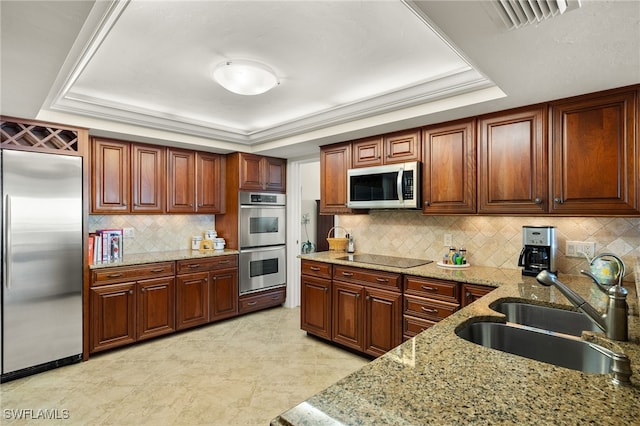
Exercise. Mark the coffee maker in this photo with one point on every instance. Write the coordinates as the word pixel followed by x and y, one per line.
pixel 539 250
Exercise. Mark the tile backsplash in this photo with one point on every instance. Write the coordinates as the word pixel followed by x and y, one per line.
pixel 490 241
pixel 155 232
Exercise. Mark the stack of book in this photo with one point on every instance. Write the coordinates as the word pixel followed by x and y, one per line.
pixel 105 246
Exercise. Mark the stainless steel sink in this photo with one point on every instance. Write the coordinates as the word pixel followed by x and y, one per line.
pixel 539 345
pixel 546 318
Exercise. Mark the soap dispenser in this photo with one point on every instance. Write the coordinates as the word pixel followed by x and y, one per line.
pixel 350 245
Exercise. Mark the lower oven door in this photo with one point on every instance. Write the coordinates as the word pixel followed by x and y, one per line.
pixel 262 268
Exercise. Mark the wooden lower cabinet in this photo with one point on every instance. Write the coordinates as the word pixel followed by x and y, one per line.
pixel 348 319
pixel 473 292
pixel 210 294
pixel 192 300
pixel 127 312
pixel 155 305
pixel 113 316
pixel 315 309
pixel 223 294
pixel 382 326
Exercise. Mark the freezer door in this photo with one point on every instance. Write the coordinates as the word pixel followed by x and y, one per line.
pixel 42 258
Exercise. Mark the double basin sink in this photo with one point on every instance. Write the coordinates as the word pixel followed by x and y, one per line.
pixel 544 334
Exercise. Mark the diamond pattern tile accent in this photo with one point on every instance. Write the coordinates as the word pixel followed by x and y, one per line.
pixel 490 241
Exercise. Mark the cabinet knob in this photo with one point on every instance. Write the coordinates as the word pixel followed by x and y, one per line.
pixel 538 201
pixel 326 289
pixel 426 204
pixel 142 290
pixel 558 200
pixel 130 291
pixel 368 297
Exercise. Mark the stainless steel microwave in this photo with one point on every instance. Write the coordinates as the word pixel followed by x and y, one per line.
pixel 392 186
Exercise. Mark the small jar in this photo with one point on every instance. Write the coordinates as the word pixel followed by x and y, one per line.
pixel 463 255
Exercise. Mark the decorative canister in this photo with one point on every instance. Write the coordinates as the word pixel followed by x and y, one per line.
pixel 218 243
pixel 195 242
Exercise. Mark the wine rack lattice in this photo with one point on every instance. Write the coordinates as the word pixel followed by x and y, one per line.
pixel 35 136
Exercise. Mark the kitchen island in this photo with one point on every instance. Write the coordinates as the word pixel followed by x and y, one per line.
pixel 440 378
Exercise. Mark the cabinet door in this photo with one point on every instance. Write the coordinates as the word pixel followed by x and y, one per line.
pixel 181 181
pixel 367 152
pixel 382 321
pixel 348 315
pixel 113 316
pixel 315 306
pixel 110 178
pixel 335 160
pixel 402 147
pixel 250 172
pixel 275 170
pixel 209 183
pixel 594 154
pixel 156 307
pixel 224 294
pixel 449 172
pixel 148 179
pixel 192 300
pixel 472 292
pixel 512 165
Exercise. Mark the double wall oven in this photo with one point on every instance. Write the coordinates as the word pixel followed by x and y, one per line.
pixel 262 239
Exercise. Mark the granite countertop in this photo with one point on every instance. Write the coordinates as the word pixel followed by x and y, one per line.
pixel 439 378
pixel 163 256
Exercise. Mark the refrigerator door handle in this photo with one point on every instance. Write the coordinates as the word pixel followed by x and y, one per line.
pixel 7 240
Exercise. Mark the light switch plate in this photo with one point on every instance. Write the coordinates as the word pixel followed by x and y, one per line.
pixel 129 232
pixel 448 240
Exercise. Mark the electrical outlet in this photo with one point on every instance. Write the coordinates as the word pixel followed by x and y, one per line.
pixel 448 240
pixel 129 232
pixel 580 249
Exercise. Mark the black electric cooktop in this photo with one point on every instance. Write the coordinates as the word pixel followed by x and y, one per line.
pixel 377 259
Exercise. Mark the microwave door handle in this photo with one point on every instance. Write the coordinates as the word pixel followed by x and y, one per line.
pixel 399 184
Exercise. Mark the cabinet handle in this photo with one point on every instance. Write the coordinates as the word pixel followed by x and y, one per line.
pixel 157 271
pixel 538 201
pixel 347 274
pixel 427 288
pixel 252 303
pixel 314 268
pixel 558 200
pixel 223 262
pixel 275 297
pixel 114 275
pixel 194 265
pixel 382 280
pixel 433 311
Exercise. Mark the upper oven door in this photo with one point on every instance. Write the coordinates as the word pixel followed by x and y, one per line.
pixel 262 226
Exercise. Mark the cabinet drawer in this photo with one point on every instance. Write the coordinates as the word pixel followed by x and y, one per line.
pixel 412 326
pixel 262 300
pixel 316 269
pixel 432 288
pixel 206 264
pixel 361 276
pixel 428 308
pixel 118 274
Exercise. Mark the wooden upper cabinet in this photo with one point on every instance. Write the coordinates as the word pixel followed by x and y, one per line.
pixel 335 160
pixel 210 183
pixel 367 152
pixel 402 147
pixel 449 168
pixel 181 197
pixel 147 179
pixel 259 173
pixel 110 179
pixel 594 154
pixel 397 147
pixel 512 162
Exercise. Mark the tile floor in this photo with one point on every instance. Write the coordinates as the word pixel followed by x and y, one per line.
pixel 243 371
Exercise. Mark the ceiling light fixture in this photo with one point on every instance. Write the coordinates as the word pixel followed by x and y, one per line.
pixel 245 77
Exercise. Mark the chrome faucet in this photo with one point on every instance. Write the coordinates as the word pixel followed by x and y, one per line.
pixel 614 322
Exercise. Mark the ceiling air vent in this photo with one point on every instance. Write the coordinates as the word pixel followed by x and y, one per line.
pixel 517 13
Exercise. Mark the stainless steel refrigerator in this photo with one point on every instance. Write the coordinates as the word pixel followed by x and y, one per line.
pixel 41 310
